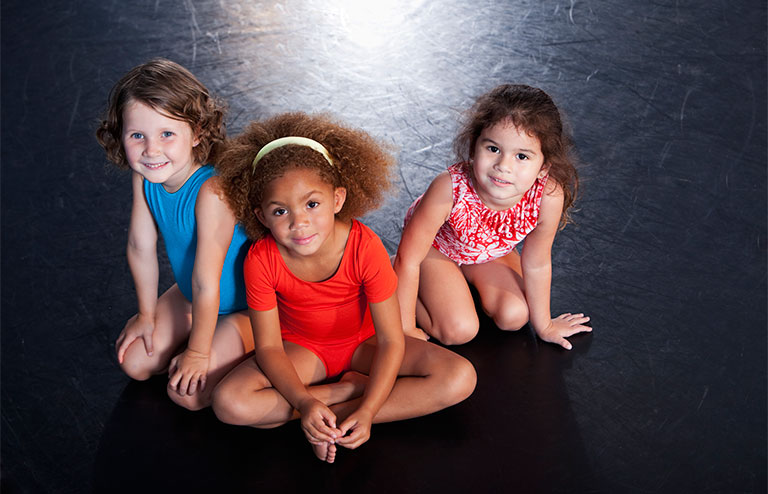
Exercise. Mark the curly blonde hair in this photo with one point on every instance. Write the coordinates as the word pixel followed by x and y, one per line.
pixel 168 88
pixel 360 164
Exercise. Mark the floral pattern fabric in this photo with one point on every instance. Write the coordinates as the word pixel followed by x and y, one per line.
pixel 474 233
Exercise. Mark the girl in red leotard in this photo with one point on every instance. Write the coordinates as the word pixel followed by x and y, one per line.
pixel 515 181
pixel 321 291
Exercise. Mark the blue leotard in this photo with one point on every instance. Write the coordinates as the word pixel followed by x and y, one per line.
pixel 175 217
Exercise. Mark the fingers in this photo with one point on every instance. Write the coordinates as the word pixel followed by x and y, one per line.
pixel 320 426
pixel 123 342
pixel 147 337
pixel 186 383
pixel 566 325
pixel 175 379
pixel 357 436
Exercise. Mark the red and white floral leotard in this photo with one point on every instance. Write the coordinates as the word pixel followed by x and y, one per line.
pixel 473 233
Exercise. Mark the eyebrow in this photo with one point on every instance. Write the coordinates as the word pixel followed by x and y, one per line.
pixel 486 139
pixel 306 196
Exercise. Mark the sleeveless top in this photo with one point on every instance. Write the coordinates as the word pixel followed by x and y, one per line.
pixel 474 233
pixel 174 214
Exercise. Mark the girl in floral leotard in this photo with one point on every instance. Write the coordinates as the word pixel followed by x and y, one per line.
pixel 515 181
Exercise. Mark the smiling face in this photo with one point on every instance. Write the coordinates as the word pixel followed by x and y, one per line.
pixel 299 209
pixel 506 163
pixel 158 147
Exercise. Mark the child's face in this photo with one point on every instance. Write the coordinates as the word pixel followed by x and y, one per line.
pixel 299 208
pixel 506 163
pixel 158 147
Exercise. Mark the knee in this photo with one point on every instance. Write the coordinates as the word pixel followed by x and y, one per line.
pixel 231 405
pixel 457 379
pixel 458 331
pixel 227 404
pixel 512 316
pixel 137 367
pixel 462 380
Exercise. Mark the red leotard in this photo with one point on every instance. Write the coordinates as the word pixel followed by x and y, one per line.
pixel 331 318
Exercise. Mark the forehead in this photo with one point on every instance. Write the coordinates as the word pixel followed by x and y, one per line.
pixel 507 133
pixel 297 182
pixel 139 113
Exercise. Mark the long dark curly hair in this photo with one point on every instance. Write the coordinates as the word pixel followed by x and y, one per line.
pixel 360 164
pixel 532 110
pixel 168 88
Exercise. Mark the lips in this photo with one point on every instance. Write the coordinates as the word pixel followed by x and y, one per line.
pixel 499 182
pixel 155 166
pixel 303 240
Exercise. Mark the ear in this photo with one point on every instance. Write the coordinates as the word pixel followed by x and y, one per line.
pixel 544 171
pixel 339 196
pixel 260 215
pixel 196 134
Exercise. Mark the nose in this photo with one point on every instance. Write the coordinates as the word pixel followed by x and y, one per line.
pixel 300 220
pixel 152 147
pixel 504 163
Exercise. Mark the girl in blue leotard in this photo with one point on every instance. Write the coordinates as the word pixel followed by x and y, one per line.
pixel 163 124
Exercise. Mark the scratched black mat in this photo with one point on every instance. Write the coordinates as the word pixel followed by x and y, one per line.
pixel 667 101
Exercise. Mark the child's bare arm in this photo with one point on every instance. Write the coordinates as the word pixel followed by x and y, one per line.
pixel 141 253
pixel 317 421
pixel 417 238
pixel 537 275
pixel 390 348
pixel 215 225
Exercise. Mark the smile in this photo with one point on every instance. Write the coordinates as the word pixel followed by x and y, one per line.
pixel 155 166
pixel 499 181
pixel 304 240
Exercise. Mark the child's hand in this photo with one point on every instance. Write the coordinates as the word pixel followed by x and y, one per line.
pixel 563 326
pixel 186 370
pixel 136 327
pixel 318 422
pixel 359 423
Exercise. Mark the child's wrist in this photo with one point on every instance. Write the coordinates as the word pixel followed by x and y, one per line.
pixel 540 325
pixel 146 315
pixel 197 353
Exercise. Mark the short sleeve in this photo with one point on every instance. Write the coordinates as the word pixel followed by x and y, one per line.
pixel 259 277
pixel 379 279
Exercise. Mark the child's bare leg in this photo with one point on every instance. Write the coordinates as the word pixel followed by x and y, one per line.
pixel 246 397
pixel 500 285
pixel 232 342
pixel 445 308
pixel 173 321
pixel 432 378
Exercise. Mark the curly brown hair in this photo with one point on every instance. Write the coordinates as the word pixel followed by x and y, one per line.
pixel 360 164
pixel 531 109
pixel 168 88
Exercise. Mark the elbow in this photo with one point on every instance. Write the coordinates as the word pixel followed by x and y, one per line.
pixel 203 289
pixel 139 248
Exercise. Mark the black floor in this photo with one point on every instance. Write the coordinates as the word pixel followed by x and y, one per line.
pixel 667 100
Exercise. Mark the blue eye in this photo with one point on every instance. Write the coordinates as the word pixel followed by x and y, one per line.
pixel 167 133
pixel 137 135
pixel 312 204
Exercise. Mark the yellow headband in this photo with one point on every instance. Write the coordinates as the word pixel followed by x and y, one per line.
pixel 284 141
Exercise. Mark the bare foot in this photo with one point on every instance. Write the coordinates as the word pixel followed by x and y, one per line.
pixel 417 333
pixel 356 381
pixel 325 451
